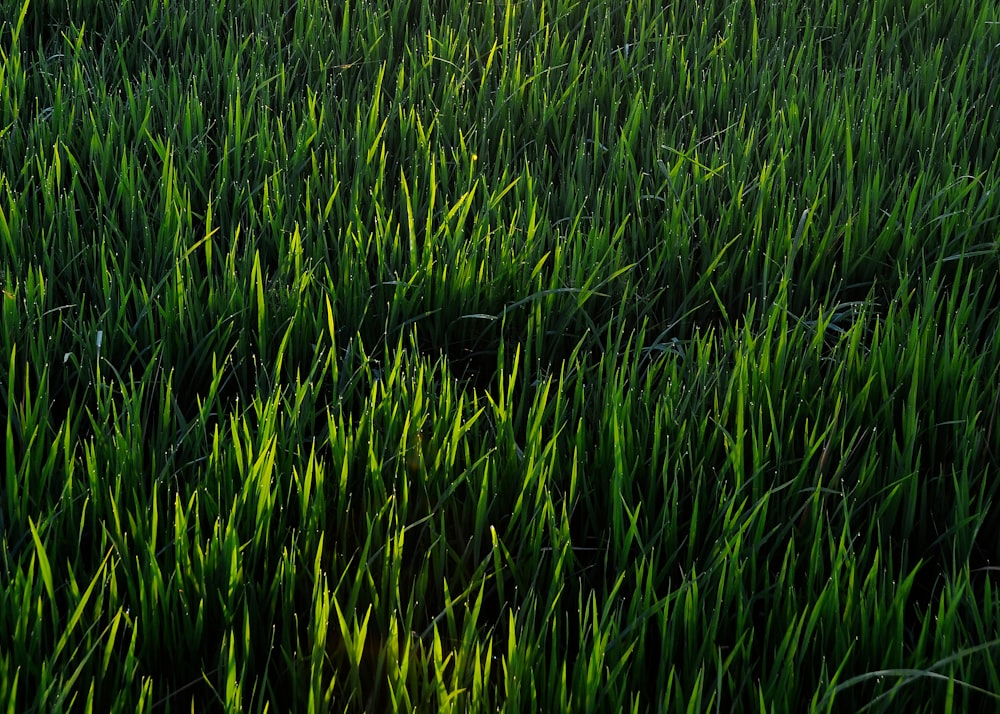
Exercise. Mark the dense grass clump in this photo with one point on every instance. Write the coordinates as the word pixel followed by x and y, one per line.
pixel 523 356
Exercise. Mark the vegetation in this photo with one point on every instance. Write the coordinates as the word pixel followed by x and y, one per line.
pixel 521 356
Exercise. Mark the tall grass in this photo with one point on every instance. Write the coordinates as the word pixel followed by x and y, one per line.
pixel 532 356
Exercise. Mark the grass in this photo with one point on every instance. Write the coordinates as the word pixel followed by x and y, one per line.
pixel 531 356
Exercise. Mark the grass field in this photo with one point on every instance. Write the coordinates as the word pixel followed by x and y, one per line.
pixel 528 356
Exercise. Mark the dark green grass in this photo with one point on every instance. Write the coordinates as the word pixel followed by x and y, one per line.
pixel 532 356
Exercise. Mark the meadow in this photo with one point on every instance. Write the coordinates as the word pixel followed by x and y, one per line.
pixel 515 356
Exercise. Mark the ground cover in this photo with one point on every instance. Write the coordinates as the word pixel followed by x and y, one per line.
pixel 518 356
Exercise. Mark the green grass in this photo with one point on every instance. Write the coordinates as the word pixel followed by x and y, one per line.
pixel 522 356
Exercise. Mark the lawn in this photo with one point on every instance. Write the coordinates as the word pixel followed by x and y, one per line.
pixel 528 356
